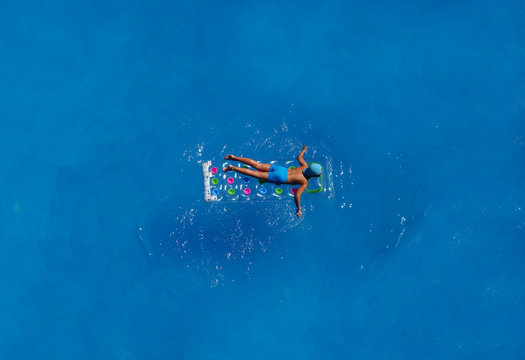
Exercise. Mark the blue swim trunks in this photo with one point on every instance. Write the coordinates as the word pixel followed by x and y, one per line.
pixel 277 174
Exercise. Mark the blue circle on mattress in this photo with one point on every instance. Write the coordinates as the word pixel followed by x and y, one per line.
pixel 215 192
pixel 262 191
pixel 246 179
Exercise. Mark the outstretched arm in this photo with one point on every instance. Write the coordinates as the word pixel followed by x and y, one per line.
pixel 297 197
pixel 300 156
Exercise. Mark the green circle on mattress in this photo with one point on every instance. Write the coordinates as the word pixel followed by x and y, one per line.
pixel 278 191
pixel 231 191
pixel 214 181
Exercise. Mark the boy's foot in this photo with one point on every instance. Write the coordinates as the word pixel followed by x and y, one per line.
pixel 226 169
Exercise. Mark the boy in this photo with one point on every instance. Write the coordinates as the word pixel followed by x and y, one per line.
pixel 279 174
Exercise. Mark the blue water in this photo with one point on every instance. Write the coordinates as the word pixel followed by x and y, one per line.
pixel 109 251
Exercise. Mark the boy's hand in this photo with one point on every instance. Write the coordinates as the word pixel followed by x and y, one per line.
pixel 299 213
pixel 305 147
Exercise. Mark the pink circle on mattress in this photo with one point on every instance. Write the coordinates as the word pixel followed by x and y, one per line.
pixel 293 190
pixel 214 170
pixel 230 181
pixel 247 191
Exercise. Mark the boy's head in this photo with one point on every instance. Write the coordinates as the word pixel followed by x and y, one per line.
pixel 313 170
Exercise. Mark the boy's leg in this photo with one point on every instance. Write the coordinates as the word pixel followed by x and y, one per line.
pixel 256 174
pixel 255 164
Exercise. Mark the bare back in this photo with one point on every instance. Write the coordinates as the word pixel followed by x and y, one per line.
pixel 295 176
